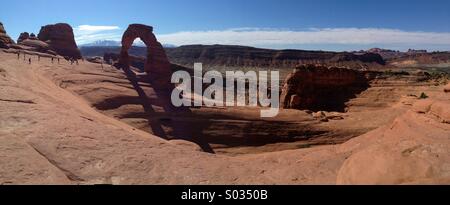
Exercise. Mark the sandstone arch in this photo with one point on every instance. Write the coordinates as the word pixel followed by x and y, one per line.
pixel 157 64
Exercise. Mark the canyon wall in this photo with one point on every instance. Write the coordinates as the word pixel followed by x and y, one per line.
pixel 242 56
pixel 237 57
pixel 316 87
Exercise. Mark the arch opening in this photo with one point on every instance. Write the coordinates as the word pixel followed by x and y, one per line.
pixel 157 65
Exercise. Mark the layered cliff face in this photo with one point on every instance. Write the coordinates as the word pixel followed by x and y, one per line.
pixel 5 40
pixel 321 88
pixel 232 57
pixel 419 59
pixel 241 56
pixel 60 39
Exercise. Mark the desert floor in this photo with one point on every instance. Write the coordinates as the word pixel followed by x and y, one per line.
pixel 84 124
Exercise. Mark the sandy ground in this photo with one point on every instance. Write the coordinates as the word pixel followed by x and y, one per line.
pixel 82 124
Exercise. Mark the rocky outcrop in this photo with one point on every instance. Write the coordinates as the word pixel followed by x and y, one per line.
pixel 35 45
pixel 5 40
pixel 30 42
pixel 55 39
pixel 157 65
pixel 23 36
pixel 60 39
pixel 321 88
pixel 33 36
pixel 413 149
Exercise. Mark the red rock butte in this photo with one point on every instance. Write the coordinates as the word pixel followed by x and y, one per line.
pixel 61 39
pixel 157 64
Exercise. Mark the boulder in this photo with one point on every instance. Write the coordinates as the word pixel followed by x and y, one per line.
pixel 60 39
pixel 5 40
pixel 33 36
pixel 319 114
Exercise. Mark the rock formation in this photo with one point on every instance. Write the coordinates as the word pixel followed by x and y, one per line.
pixel 5 40
pixel 23 36
pixel 157 65
pixel 30 42
pixel 385 53
pixel 60 39
pixel 35 45
pixel 321 88
pixel 33 36
pixel 414 149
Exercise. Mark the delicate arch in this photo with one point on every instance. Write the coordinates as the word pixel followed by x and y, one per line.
pixel 157 64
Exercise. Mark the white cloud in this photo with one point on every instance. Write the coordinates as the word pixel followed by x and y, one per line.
pixel 91 28
pixel 277 38
pixel 89 33
pixel 284 38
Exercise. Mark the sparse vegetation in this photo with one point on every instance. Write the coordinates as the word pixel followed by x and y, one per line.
pixel 395 73
pixel 423 96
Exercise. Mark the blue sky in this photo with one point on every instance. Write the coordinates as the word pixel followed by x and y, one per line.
pixel 301 24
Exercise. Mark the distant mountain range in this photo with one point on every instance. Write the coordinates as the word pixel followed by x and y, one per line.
pixel 102 43
pixel 111 43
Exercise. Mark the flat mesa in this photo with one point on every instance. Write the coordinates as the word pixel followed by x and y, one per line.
pixel 193 195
